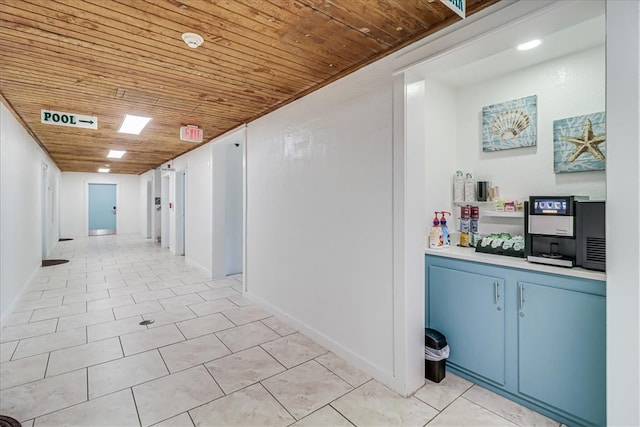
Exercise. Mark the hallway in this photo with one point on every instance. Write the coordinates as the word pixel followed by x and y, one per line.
pixel 74 353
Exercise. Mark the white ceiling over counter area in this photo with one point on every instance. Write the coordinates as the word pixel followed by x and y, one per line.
pixel 582 36
pixel 572 29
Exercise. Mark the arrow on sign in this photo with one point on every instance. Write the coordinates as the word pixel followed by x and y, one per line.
pixel 86 121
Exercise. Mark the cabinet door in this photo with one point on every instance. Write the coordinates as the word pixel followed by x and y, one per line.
pixel 562 347
pixel 468 308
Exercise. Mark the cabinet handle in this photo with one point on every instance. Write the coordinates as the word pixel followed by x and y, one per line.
pixel 496 292
pixel 521 289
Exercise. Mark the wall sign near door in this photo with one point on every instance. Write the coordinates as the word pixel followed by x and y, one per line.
pixel 59 118
pixel 458 6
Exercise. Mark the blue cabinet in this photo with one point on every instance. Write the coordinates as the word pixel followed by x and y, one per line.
pixel 536 338
pixel 561 349
pixel 468 309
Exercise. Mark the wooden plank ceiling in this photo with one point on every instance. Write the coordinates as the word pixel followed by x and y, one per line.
pixel 106 58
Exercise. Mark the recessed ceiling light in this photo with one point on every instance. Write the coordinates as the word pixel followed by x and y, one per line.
pixel 104 170
pixel 115 154
pixel 529 45
pixel 133 124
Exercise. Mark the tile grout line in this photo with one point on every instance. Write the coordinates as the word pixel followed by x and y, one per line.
pixel 87 378
pixel 46 367
pixel 487 409
pixel 214 380
pixel 59 409
pixel 279 403
pixel 163 361
pixel 135 404
pixel 191 418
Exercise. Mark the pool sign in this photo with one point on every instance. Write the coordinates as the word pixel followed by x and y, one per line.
pixel 50 117
pixel 458 6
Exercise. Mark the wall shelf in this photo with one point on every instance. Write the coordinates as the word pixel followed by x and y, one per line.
pixel 473 203
pixel 502 214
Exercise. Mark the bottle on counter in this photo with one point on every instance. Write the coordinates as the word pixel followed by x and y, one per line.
pixel 464 239
pixel 465 225
pixel 435 235
pixel 444 229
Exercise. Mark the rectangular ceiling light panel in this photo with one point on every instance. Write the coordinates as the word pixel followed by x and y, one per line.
pixel 133 124
pixel 115 154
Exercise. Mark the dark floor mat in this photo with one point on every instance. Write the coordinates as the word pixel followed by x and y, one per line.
pixel 50 262
pixel 64 239
pixel 6 421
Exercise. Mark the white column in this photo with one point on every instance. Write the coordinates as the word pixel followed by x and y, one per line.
pixel 623 205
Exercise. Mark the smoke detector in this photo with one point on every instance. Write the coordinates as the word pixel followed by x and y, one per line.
pixel 192 40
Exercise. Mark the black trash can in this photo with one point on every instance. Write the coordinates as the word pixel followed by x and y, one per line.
pixel 436 352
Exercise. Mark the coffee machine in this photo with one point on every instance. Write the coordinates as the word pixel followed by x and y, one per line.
pixel 550 230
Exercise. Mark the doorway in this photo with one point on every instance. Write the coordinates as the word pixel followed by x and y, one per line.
pixel 228 205
pixel 102 209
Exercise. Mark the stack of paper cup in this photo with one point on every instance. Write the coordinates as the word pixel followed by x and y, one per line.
pixel 469 188
pixel 458 187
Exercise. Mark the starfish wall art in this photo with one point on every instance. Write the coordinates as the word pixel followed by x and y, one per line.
pixel 579 143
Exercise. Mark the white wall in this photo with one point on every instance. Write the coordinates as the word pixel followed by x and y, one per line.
pixel 440 147
pixel 408 245
pixel 204 247
pixel 566 87
pixel 21 208
pixel 319 216
pixel 73 202
pixel 623 205
pixel 153 177
pixel 143 181
pixel 233 207
pixel 198 231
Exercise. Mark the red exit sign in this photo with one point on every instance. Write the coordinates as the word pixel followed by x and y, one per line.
pixel 191 134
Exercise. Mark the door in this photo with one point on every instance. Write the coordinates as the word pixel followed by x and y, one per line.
pixel 468 308
pixel 102 209
pixel 45 211
pixel 164 211
pixel 562 350
pixel 149 208
pixel 180 211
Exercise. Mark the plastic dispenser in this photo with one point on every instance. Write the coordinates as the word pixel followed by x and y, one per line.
pixel 444 229
pixel 435 235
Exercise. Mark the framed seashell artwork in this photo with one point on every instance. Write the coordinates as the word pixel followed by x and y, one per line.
pixel 579 143
pixel 511 124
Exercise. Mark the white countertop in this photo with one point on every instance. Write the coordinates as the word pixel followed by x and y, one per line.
pixel 470 254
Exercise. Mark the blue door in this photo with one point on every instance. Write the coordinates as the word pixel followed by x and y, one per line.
pixel 468 308
pixel 562 350
pixel 102 209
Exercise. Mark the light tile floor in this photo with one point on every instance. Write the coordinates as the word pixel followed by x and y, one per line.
pixel 73 352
